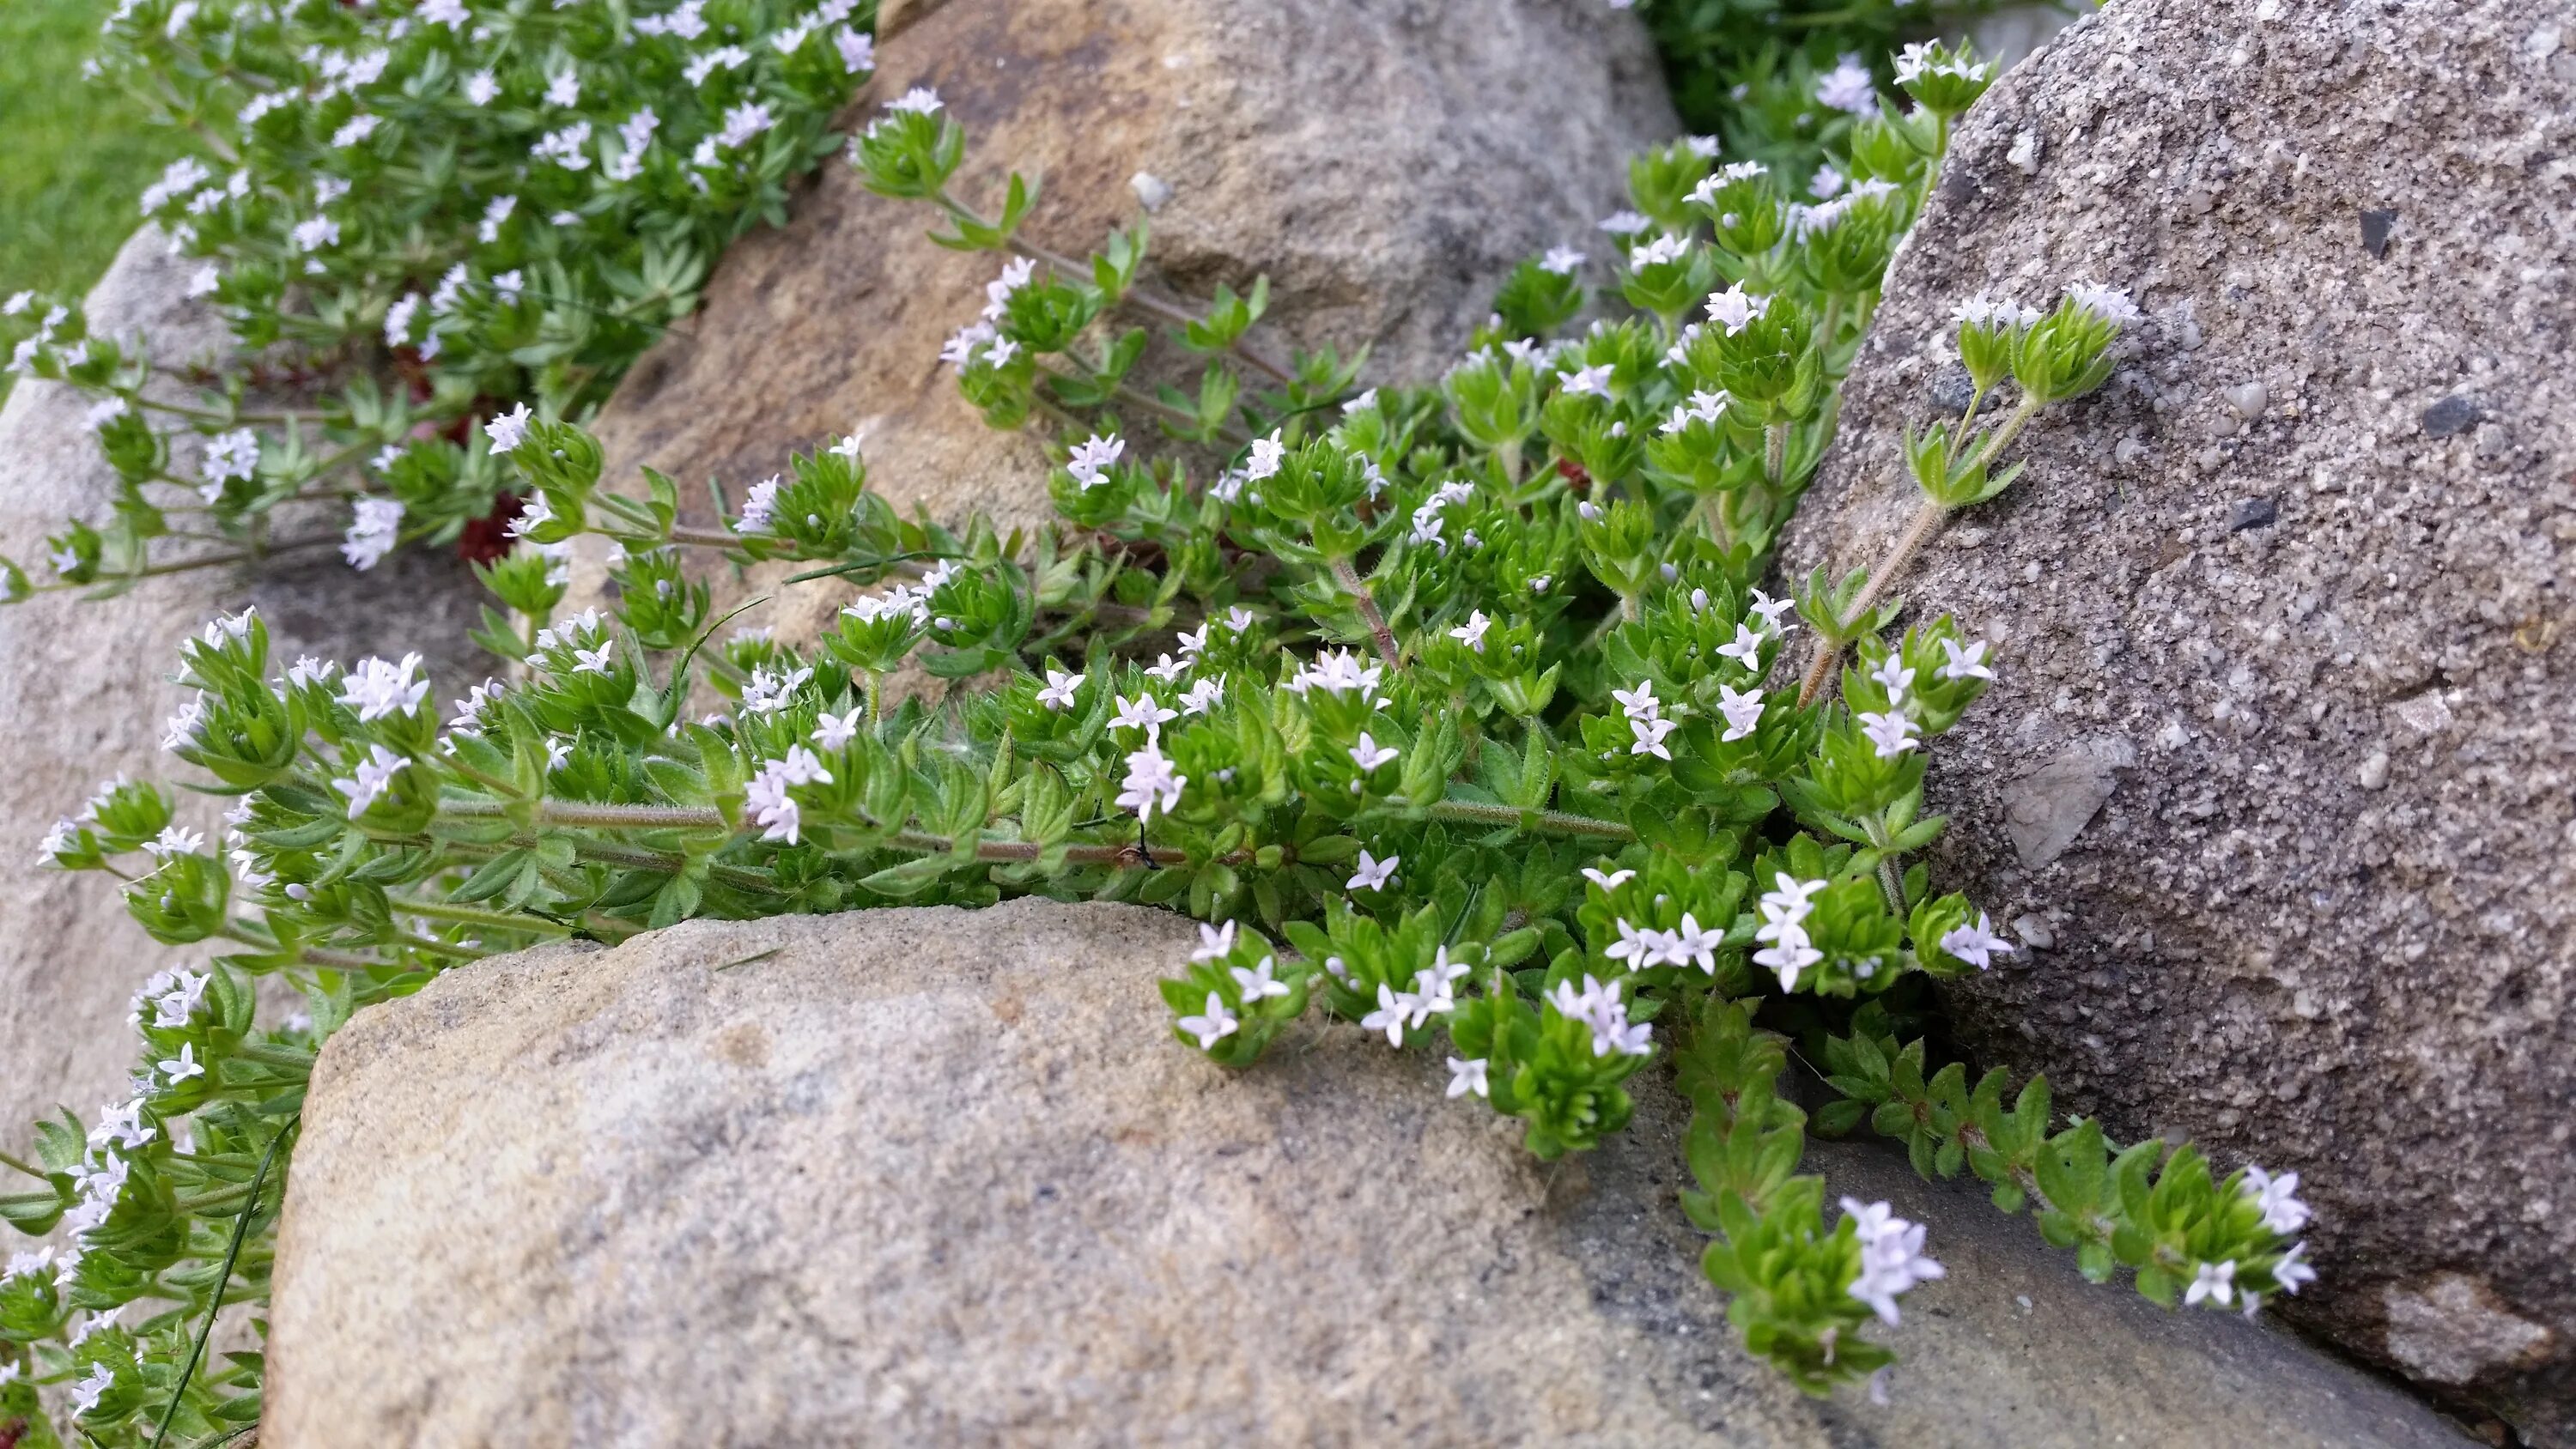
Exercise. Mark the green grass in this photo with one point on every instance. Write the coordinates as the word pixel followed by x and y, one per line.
pixel 77 153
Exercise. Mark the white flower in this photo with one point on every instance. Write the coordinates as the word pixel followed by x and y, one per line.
pixel 87 1393
pixel 1368 754
pixel 372 777
pixel 1658 251
pixel 1058 693
pixel 723 57
pixel 1373 874
pixel 1144 712
pixel 567 148
pixel 1091 459
pixel 1891 732
pixel 1847 87
pixel 355 130
pixel 1894 677
pixel 1978 945
pixel 534 513
pixel 801 767
pixel 2290 1272
pixel 376 689
pixel 1633 945
pixel 1258 984
pixel 174 840
pixel 1650 736
pixel 744 122
pixel 767 693
pixel 1987 312
pixel 509 284
pixel 1339 671
pixel 231 455
pixel 1167 669
pixel 180 730
pixel 1468 1075
pixel 1472 633
pixel 1611 881
pixel 1624 223
pixel 1690 944
pixel 563 88
pixel 2278 1197
pixel 1771 609
pixel 1239 618
pixel 1967 663
pixel 205 282
pixel 1213 1027
pixel 1734 309
pixel 835 731
pixel 1789 955
pixel 481 88
pixel 1267 454
pixel 508 430
pixel 1150 783
pixel 185 1065
pixel 2215 1282
pixel 1199 698
pixel 372 531
pixel 495 212
pixel 1891 1257
pixel 858 52
pixel 2108 304
pixel 450 13
pixel 921 100
pixel 1215 942
pixel 1825 182
pixel 1640 702
pixel 315 233
pixel 1703 407
pixel 1592 380
pixel 759 506
pixel 765 795
pixel 1742 708
pixel 1561 260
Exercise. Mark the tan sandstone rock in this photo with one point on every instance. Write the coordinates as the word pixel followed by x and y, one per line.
pixel 1384 165
pixel 2278 754
pixel 932 1176
pixel 84 692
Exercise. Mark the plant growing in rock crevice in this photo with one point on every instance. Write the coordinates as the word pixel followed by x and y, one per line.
pixel 1468 692
pixel 404 213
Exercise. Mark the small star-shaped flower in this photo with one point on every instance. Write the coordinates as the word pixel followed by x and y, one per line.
pixel 1373 874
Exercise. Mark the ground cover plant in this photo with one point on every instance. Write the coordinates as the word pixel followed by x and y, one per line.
pixel 1456 709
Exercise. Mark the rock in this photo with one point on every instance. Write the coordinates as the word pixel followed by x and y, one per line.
pixel 2375 226
pixel 2046 809
pixel 2365 972
pixel 84 691
pixel 2451 416
pixel 2251 513
pixel 1385 166
pixel 918 1176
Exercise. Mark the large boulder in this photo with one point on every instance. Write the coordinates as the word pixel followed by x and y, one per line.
pixel 2277 771
pixel 84 691
pixel 933 1176
pixel 1385 165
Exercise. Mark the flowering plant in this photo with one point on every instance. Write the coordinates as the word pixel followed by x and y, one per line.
pixel 404 212
pixel 1465 725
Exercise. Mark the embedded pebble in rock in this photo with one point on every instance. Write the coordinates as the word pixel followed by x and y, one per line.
pixel 84 689
pixel 943 1177
pixel 1385 166
pixel 2328 921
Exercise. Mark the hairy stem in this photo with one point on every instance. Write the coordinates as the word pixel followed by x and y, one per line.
pixel 1353 585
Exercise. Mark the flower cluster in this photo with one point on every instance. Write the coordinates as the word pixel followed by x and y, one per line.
pixel 1467 727
pixel 409 209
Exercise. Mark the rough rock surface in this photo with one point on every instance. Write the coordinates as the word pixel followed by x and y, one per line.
pixel 84 690
pixel 927 1176
pixel 1384 163
pixel 2278 756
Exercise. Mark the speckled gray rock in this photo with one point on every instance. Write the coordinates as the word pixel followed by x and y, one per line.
pixel 2288 620
pixel 1385 164
pixel 930 1176
pixel 84 690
